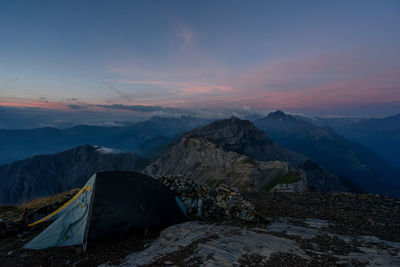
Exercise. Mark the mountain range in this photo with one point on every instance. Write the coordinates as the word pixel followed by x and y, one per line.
pixel 137 137
pixel 276 148
pixel 231 151
pixel 331 150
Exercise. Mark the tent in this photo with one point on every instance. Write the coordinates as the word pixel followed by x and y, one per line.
pixel 110 203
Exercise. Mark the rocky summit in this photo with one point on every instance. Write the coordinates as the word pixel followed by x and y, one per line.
pixel 227 227
pixel 205 162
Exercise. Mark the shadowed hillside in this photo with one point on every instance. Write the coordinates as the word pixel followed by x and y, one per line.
pixel 333 151
pixel 47 175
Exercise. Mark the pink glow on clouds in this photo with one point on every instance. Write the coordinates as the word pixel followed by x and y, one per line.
pixel 303 82
pixel 19 102
pixel 183 87
pixel 381 88
pixel 317 82
pixel 186 34
pixel 183 36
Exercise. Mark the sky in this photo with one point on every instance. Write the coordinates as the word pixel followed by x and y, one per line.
pixel 314 57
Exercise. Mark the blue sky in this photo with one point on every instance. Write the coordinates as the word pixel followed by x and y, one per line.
pixel 305 56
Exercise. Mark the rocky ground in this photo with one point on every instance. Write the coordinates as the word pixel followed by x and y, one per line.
pixel 260 229
pixel 308 229
pixel 282 243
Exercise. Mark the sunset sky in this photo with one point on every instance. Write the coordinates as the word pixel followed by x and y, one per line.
pixel 303 56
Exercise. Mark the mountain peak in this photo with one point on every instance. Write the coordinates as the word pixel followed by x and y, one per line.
pixel 278 115
pixel 397 116
pixel 242 137
pixel 232 134
pixel 226 128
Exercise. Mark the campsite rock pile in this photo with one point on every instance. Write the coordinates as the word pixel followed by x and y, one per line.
pixel 203 202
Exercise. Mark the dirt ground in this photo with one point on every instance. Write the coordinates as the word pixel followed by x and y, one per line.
pixel 111 251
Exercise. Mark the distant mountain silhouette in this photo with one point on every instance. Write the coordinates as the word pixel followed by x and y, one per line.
pixel 20 144
pixel 382 135
pixel 48 175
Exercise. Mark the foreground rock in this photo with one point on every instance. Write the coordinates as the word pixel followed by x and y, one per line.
pixel 194 244
pixel 212 245
pixel 210 203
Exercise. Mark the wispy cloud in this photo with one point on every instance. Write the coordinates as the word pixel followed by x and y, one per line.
pixel 183 88
pixel 77 107
pixel 10 81
pixel 32 103
pixel 379 88
pixel 297 82
pixel 184 35
pixel 124 97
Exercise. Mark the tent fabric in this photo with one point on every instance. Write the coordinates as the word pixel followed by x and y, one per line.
pixel 69 228
pixel 118 201
pixel 58 212
pixel 134 202
pixel 181 205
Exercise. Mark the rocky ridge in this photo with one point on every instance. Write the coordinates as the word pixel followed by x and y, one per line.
pixel 201 160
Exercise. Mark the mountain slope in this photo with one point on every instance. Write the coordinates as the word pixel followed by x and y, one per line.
pixel 47 175
pixel 242 137
pixel 201 160
pixel 379 134
pixel 333 151
pixel 20 144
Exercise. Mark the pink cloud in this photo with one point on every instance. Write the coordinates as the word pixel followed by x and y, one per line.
pixel 183 88
pixel 298 82
pixel 317 82
pixel 20 102
pixel 183 36
pixel 187 36
pixel 380 88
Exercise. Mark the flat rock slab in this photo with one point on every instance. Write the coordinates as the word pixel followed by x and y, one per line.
pixel 200 244
pixel 214 245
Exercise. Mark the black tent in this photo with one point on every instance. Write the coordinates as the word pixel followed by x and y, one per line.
pixel 111 202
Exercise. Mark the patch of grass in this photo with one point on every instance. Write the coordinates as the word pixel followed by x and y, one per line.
pixel 11 213
pixel 246 160
pixel 43 201
pixel 287 178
